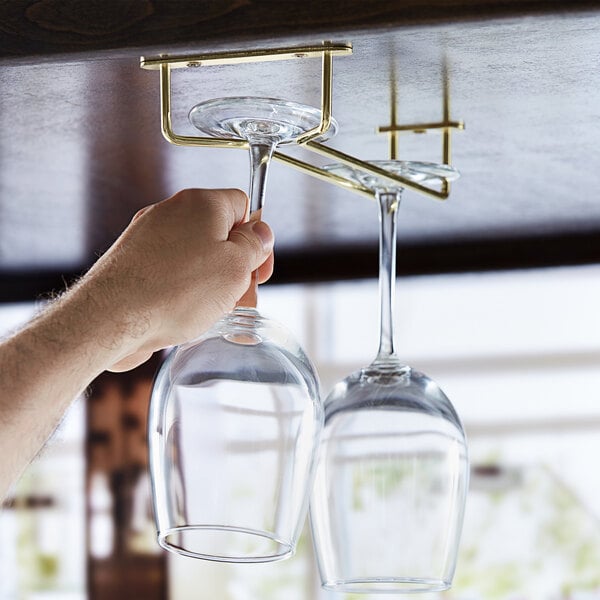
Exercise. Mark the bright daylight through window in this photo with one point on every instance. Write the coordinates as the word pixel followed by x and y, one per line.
pixel 519 355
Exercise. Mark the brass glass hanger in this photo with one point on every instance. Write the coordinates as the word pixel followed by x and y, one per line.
pixel 326 51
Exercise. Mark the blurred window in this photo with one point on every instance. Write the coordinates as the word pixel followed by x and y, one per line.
pixel 42 522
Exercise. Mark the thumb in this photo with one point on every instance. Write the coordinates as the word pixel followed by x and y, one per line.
pixel 255 239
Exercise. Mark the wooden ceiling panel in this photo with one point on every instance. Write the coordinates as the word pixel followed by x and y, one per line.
pixel 81 149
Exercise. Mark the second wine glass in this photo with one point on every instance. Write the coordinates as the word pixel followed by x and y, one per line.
pixel 389 496
pixel 236 416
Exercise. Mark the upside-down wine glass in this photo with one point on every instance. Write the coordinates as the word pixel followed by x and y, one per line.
pixel 388 500
pixel 236 415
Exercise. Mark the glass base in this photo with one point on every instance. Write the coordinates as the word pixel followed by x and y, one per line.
pixel 257 119
pixel 225 544
pixel 241 326
pixel 415 171
pixel 386 370
pixel 386 585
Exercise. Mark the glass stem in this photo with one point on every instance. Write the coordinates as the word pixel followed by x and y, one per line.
pixel 260 159
pixel 388 206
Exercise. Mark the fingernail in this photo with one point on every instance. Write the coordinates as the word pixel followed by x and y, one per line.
pixel 263 231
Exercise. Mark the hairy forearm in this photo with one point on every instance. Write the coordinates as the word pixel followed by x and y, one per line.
pixel 45 367
pixel 176 269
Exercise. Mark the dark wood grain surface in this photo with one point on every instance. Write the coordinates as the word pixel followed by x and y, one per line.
pixel 81 149
pixel 42 28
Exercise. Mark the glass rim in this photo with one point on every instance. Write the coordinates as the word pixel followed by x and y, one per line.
pixel 255 102
pixel 420 172
pixel 387 585
pixel 288 546
pixel 431 169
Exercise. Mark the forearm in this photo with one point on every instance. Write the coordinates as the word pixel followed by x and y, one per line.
pixel 44 368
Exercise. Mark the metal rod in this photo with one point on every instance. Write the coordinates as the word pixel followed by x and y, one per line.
pixel 393 145
pixel 327 51
pixel 446 147
pixel 323 175
pixel 185 140
pixel 244 56
pixel 326 101
pixel 377 171
pixel 393 117
pixel 446 136
pixel 444 125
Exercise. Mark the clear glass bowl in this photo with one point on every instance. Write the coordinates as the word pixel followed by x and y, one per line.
pixel 388 501
pixel 234 426
pixel 244 117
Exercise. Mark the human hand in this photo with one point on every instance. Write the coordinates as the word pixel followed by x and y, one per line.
pixel 179 266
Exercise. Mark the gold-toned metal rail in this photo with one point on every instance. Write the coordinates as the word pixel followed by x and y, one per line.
pixel 422 127
pixel 393 113
pixel 211 142
pixel 324 175
pixel 446 125
pixel 351 161
pixel 245 56
pixel 326 100
pixel 167 127
pixel 326 51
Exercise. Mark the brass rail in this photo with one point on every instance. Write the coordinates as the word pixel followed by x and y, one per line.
pixel 308 140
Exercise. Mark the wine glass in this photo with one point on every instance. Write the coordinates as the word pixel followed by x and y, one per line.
pixel 236 415
pixel 392 476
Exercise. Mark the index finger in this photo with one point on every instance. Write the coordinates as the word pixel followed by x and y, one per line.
pixel 223 209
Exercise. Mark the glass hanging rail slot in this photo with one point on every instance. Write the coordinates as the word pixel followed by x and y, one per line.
pixel 446 125
pixel 326 51
pixel 165 63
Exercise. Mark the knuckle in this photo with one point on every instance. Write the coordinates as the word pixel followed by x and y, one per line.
pixel 235 201
pixel 223 207
pixel 241 235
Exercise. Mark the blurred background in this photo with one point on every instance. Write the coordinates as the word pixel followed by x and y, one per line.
pixel 517 352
